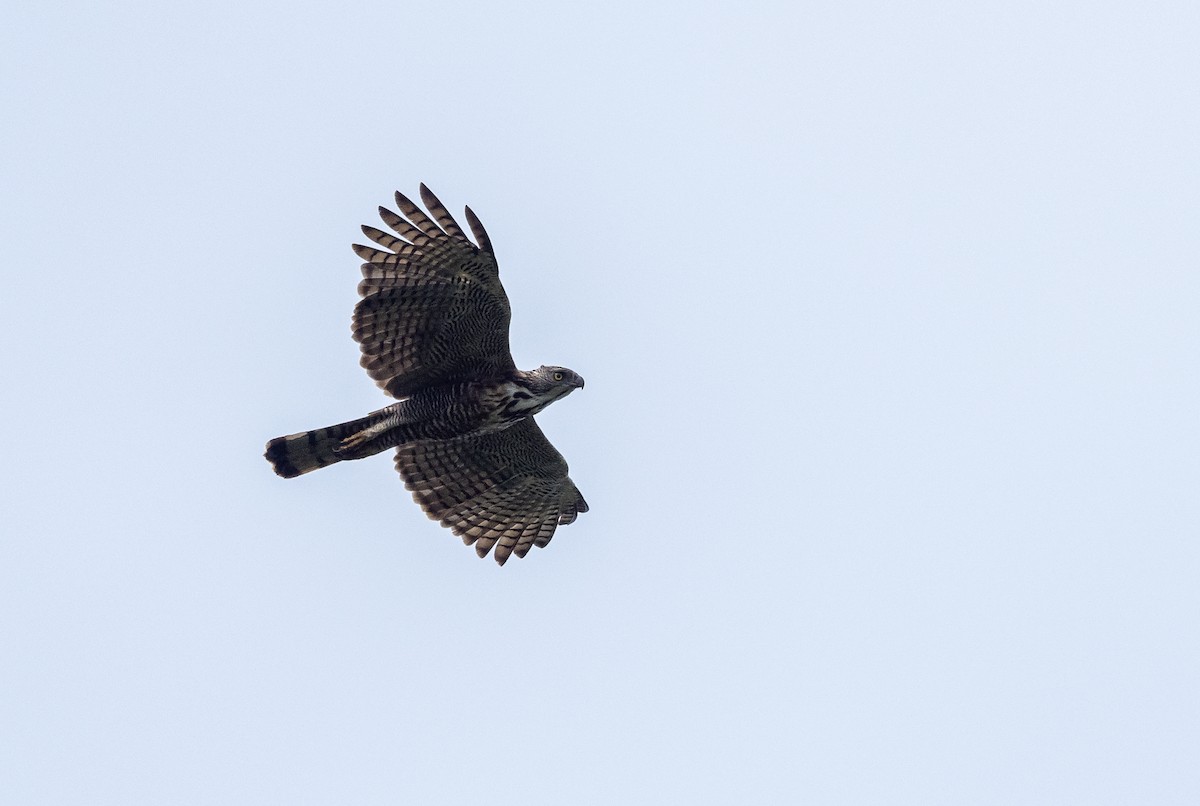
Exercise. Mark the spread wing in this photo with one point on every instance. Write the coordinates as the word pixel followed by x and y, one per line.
pixel 507 489
pixel 433 309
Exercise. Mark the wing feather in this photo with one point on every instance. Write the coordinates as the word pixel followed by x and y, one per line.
pixel 508 490
pixel 433 309
pixel 417 216
pixel 481 236
pixel 434 205
pixel 403 228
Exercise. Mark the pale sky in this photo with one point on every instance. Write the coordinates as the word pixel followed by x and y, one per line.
pixel 888 316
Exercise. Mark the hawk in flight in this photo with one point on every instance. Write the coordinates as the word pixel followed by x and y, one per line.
pixel 433 327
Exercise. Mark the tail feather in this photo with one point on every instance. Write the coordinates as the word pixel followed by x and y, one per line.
pixel 297 454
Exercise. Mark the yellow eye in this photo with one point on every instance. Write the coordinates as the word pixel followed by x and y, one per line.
pixel 558 376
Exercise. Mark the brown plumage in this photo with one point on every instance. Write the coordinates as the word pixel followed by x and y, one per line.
pixel 433 328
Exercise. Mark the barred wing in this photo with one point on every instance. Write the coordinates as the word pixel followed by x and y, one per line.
pixel 433 309
pixel 507 489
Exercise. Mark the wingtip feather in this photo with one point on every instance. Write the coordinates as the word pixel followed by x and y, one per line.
pixel 481 236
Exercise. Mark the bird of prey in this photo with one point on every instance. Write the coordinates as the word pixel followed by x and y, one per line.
pixel 433 327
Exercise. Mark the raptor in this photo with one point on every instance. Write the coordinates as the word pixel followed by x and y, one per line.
pixel 433 328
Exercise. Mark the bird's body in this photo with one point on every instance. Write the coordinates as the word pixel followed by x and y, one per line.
pixel 433 325
pixel 448 411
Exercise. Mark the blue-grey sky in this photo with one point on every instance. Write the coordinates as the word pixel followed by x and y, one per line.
pixel 888 316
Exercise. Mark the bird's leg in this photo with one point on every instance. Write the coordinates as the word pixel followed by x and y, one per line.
pixel 352 447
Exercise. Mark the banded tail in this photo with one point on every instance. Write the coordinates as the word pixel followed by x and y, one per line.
pixel 297 454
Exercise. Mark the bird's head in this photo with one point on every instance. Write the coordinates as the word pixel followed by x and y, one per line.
pixel 557 380
pixel 548 384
